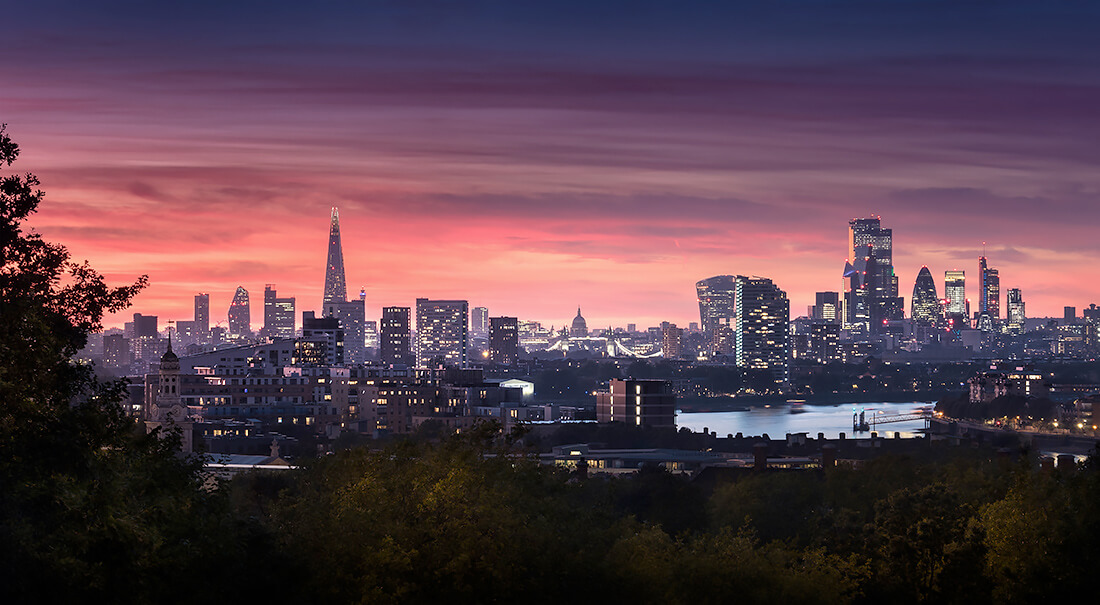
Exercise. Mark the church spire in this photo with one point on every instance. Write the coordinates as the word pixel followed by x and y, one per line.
pixel 336 289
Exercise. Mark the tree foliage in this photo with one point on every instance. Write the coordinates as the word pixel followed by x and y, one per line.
pixel 90 508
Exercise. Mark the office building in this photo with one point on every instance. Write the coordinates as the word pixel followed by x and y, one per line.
pixel 638 402
pixel 1016 315
pixel 716 311
pixel 954 292
pixel 240 319
pixel 394 340
pixel 925 307
pixel 504 340
pixel 370 335
pixel 762 328
pixel 352 315
pixel 322 342
pixel 824 342
pixel 857 295
pixel 479 322
pixel 1091 314
pixel 442 334
pixel 336 289
pixel 185 333
pixel 145 326
pixel 1069 315
pixel 672 339
pixel 117 354
pixel 871 252
pixel 989 301
pixel 826 307
pixel 278 314
pixel 202 317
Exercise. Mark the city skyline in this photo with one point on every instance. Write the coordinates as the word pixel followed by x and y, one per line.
pixel 478 154
pixel 336 277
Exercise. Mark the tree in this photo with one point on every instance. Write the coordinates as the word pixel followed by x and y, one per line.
pixel 91 508
pixel 53 408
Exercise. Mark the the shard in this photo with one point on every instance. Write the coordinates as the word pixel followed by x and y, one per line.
pixel 336 288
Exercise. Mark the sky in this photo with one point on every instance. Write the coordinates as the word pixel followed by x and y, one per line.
pixel 533 157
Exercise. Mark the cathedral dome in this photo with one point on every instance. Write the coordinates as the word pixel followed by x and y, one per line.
pixel 580 326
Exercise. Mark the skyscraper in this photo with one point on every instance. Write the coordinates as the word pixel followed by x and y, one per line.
pixel 762 329
pixel 336 289
pixel 394 345
pixel 479 322
pixel 504 340
pixel 716 311
pixel 202 316
pixel 672 339
pixel 993 293
pixel 989 301
pixel 352 315
pixel 1016 316
pixel 982 299
pixel 881 284
pixel 925 306
pixel 954 292
pixel 278 314
pixel 442 332
pixel 240 320
pixel 826 306
pixel 857 295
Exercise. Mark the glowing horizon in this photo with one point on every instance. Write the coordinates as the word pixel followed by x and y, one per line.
pixel 482 154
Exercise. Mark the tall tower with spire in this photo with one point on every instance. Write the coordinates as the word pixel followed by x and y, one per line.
pixel 336 288
pixel 167 409
pixel 350 313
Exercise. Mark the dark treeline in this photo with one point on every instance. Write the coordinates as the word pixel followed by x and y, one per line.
pixel 471 521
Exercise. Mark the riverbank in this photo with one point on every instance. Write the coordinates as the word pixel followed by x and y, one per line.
pixel 733 404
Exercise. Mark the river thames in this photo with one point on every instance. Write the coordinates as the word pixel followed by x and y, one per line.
pixel 778 419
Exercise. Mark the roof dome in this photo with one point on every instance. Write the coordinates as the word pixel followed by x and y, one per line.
pixel 580 326
pixel 169 361
pixel 169 355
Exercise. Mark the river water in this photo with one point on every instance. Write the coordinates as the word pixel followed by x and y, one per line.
pixel 779 419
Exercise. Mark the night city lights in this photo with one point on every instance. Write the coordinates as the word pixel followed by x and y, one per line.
pixel 614 301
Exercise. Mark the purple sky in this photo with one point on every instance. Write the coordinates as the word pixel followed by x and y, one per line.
pixel 532 157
